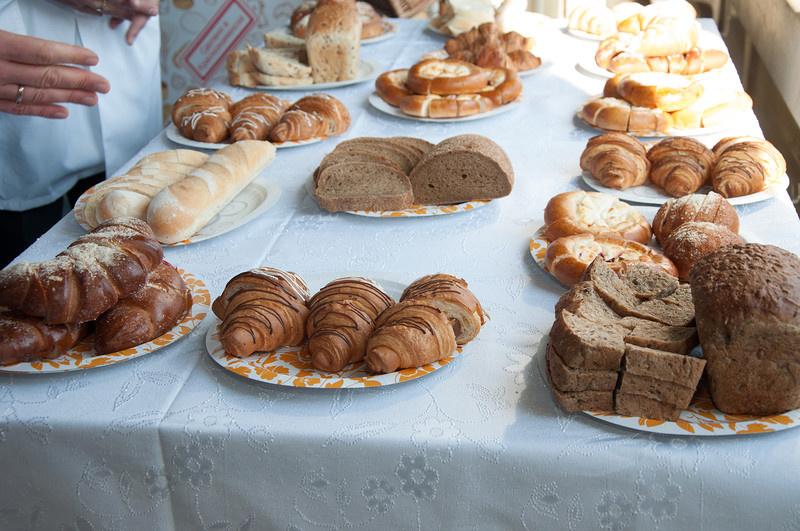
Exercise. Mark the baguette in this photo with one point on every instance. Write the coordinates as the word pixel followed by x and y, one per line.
pixel 182 208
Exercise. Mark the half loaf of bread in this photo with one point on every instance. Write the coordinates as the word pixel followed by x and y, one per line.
pixel 362 186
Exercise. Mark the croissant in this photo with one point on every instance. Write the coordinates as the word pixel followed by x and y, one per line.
pixel 341 317
pixel 86 279
pixel 680 165
pixel 203 115
pixel 146 314
pixel 261 310
pixel 616 160
pixel 745 165
pixel 409 334
pixel 255 115
pixel 23 337
pixel 452 296
pixel 312 116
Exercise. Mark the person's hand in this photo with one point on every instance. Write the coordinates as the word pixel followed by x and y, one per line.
pixel 37 74
pixel 137 11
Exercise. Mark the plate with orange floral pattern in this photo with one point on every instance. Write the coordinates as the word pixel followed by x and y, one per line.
pixel 700 418
pixel 291 366
pixel 84 356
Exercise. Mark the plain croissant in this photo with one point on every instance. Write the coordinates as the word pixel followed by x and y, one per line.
pixel 86 279
pixel 616 160
pixel 203 114
pixel 23 337
pixel 145 315
pixel 680 165
pixel 745 165
pixel 409 334
pixel 255 115
pixel 451 295
pixel 341 317
pixel 312 116
pixel 261 310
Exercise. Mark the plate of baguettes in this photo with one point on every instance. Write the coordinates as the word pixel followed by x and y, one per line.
pixel 309 348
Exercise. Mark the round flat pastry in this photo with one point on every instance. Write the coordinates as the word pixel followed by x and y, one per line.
pixel 596 213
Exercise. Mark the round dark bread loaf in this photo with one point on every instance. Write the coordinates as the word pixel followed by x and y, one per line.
pixel 747 302
pixel 462 168
pixel 691 240
pixel 711 207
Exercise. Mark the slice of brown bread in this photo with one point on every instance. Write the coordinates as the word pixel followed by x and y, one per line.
pixel 616 293
pixel 421 144
pixel 641 406
pixel 586 400
pixel 362 186
pixel 662 365
pixel 400 157
pixel 338 156
pixel 380 144
pixel 678 339
pixel 676 309
pixel 462 168
pixel 584 344
pixel 570 379
pixel 649 282
pixel 672 393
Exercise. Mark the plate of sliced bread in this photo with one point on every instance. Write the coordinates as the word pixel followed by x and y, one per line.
pixel 367 69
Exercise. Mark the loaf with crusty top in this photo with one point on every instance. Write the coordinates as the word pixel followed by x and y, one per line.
pixel 710 207
pixel 333 42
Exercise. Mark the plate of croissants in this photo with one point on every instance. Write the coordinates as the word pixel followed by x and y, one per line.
pixel 333 330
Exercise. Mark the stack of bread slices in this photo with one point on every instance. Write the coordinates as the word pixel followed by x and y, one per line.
pixel 622 344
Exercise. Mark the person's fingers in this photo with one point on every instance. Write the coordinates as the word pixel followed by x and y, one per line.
pixel 59 76
pixel 144 7
pixel 31 95
pixel 114 22
pixel 46 110
pixel 32 50
pixel 137 23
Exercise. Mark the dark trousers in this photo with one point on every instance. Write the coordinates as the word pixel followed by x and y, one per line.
pixel 18 230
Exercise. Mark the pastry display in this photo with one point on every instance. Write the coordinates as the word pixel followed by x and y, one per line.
pixel 341 317
pixel 261 310
pixel 746 297
pixel 680 165
pixel 182 208
pixel 616 160
pixel 745 165
pixel 146 314
pixel 487 46
pixel 372 24
pixel 447 88
pixel 597 213
pixel 405 171
pixel 710 207
pixel 203 114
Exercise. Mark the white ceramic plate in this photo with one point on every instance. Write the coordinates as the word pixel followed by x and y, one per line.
pixel 174 135
pixel 377 102
pixel 651 194
pixel 83 355
pixel 367 69
pixel 700 418
pixel 389 31
pixel 578 34
pixel 259 196
pixel 291 366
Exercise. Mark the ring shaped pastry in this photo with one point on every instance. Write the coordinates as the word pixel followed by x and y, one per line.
pixel 444 77
pixel 504 85
pixel 391 86
pixel 595 213
pixel 454 106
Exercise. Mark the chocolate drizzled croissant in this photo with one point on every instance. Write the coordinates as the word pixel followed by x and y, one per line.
pixel 616 160
pixel 261 310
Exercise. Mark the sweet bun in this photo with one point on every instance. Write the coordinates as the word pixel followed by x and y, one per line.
pixel 597 213
pixel 691 240
pixel 391 86
pixel 711 207
pixel 567 258
pixel 444 77
pixel 668 92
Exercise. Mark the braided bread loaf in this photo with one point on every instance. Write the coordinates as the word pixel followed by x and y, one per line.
pixel 23 337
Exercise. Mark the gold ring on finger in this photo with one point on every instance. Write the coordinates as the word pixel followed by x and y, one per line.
pixel 20 90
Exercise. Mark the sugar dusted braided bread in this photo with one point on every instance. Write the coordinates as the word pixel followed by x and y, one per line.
pixel 23 337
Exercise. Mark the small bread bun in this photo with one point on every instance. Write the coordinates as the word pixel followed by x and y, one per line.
pixel 391 86
pixel 691 240
pixel 712 208
pixel 668 92
pixel 568 257
pixel 596 213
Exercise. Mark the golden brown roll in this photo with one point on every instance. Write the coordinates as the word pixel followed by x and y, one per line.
pixel 680 165
pixel 691 240
pixel 710 207
pixel 597 213
pixel 616 160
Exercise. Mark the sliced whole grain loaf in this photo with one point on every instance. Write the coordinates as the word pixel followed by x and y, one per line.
pixel 662 365
pixel 635 405
pixel 678 395
pixel 421 144
pixel 352 186
pixel 402 158
pixel 648 284
pixel 586 400
pixel 569 379
pixel 462 168
pixel 413 153
pixel 678 339
pixel 338 156
pixel 584 344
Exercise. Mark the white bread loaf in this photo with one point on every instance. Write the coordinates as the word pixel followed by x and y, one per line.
pixel 182 208
pixel 333 41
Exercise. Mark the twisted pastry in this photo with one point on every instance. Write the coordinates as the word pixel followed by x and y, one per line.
pixel 409 334
pixel 680 165
pixel 341 317
pixel 148 313
pixel 452 296
pixel 312 116
pixel 745 165
pixel 255 115
pixel 616 160
pixel 87 278
pixel 203 115
pixel 261 310
pixel 23 338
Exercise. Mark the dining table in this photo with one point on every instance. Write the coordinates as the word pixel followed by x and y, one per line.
pixel 175 434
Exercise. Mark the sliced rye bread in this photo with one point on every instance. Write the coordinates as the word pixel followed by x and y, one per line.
pixel 397 155
pixel 649 282
pixel 414 154
pixel 338 156
pixel 462 168
pixel 635 405
pixel 675 394
pixel 569 379
pixel 362 186
pixel 421 144
pixel 586 400
pixel 678 339
pixel 584 344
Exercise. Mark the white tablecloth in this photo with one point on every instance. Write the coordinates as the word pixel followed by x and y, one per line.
pixel 172 440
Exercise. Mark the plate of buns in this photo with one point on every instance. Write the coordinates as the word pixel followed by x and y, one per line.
pixel 115 346
pixel 174 135
pixel 307 338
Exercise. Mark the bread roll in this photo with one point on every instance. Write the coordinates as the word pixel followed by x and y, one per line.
pixel 668 92
pixel 747 298
pixel 691 240
pixel 181 209
pixel 596 213
pixel 710 207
